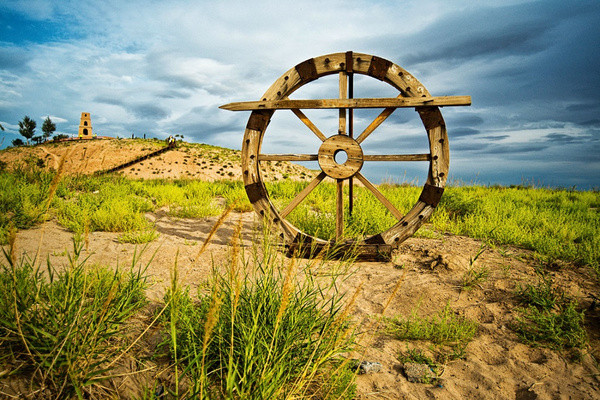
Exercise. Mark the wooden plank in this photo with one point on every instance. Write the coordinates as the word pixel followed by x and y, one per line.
pixel 340 250
pixel 349 66
pixel 309 124
pixel 399 102
pixel 302 195
pixel 288 157
pixel 343 95
pixel 339 217
pixel 397 157
pixel 379 196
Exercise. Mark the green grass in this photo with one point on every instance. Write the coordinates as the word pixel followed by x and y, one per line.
pixel 448 332
pixel 442 328
pixel 63 328
pixel 474 275
pixel 262 331
pixel 555 223
pixel 549 318
pixel 138 237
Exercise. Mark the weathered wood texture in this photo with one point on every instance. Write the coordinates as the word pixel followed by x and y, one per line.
pixel 344 103
pixel 412 94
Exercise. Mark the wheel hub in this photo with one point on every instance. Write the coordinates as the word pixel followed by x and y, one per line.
pixel 334 145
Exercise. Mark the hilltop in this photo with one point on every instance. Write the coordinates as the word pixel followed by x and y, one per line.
pixel 188 160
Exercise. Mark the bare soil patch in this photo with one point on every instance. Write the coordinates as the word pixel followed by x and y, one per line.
pixel 497 365
pixel 188 160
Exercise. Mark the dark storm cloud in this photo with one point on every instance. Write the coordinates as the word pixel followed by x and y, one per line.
pixel 582 107
pixel 463 131
pixel 496 42
pixel 561 138
pixel 591 122
pixel 494 138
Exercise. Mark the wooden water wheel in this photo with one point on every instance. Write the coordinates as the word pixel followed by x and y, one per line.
pixel 411 94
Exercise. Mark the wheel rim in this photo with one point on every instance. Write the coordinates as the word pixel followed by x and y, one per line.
pixel 346 64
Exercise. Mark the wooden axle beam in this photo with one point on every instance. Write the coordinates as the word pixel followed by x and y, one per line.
pixel 397 102
pixel 366 157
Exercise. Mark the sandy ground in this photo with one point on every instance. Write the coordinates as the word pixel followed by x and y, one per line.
pixel 194 161
pixel 497 365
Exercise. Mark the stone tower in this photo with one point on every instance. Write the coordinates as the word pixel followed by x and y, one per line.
pixel 85 126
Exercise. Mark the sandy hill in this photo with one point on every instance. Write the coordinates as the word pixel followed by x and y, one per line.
pixel 188 160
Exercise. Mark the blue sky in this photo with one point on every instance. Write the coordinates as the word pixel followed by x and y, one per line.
pixel 164 67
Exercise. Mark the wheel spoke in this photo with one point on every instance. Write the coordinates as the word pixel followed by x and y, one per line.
pixel 379 196
pixel 397 157
pixel 288 157
pixel 339 220
pixel 302 195
pixel 309 124
pixel 376 122
pixel 343 95
pixel 350 131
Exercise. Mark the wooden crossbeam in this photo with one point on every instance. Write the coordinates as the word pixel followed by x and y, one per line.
pixel 398 102
pixel 288 157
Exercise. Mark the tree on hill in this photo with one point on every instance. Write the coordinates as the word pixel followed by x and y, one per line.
pixel 17 142
pixel 27 128
pixel 48 128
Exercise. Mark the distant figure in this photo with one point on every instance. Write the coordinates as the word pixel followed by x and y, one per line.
pixel 85 126
pixel 171 141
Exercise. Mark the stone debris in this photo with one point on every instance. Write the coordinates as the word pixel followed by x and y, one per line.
pixel 366 367
pixel 419 373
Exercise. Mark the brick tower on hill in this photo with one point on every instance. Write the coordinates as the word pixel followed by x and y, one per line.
pixel 85 126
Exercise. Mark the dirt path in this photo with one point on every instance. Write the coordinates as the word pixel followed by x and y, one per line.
pixel 496 364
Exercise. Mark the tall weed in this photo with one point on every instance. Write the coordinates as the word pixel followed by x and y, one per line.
pixel 263 331
pixel 60 326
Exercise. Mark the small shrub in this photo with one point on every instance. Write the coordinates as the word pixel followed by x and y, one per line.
pixel 138 237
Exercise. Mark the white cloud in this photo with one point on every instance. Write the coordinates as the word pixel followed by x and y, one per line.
pixel 160 67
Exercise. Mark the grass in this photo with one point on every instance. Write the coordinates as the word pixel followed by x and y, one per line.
pixel 474 275
pixel 449 332
pixel 263 326
pixel 555 223
pixel 138 237
pixel 60 327
pixel 265 329
pixel 549 318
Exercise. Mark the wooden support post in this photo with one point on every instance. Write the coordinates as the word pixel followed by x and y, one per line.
pixel 339 220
